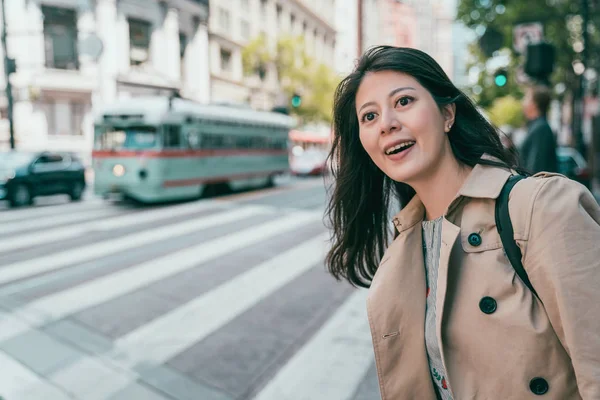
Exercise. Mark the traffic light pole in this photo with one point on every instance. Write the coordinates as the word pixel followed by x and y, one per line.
pixel 579 98
pixel 7 68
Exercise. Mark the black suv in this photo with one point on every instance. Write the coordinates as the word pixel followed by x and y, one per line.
pixel 25 175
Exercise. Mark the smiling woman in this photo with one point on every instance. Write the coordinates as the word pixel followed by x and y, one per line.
pixel 451 317
pixel 397 95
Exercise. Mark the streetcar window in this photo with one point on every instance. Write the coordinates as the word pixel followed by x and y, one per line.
pixel 171 136
pixel 132 137
pixel 193 139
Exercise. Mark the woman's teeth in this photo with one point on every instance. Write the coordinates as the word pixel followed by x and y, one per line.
pixel 398 148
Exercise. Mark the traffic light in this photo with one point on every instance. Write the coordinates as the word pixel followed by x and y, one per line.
pixel 501 78
pixel 296 100
pixel 539 60
pixel 11 68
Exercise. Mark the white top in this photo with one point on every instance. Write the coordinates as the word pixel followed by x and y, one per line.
pixel 432 240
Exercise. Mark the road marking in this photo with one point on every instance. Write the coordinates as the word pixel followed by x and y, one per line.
pixel 117 222
pixel 61 304
pixel 55 220
pixel 54 261
pixel 34 212
pixel 166 336
pixel 332 364
pixel 19 382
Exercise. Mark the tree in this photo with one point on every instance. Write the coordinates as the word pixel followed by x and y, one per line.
pixel 563 28
pixel 297 73
pixel 507 111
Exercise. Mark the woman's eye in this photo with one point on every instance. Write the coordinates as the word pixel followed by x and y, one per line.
pixel 369 116
pixel 404 101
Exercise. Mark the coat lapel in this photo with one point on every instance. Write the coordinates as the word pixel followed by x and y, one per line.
pixel 450 233
pixel 397 313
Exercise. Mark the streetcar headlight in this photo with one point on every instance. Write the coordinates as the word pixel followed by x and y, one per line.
pixel 118 170
pixel 297 150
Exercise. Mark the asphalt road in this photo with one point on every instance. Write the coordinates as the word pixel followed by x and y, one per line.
pixel 215 299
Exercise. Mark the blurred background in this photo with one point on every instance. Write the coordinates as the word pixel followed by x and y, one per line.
pixel 162 168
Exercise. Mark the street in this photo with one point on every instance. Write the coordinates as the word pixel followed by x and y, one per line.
pixel 215 299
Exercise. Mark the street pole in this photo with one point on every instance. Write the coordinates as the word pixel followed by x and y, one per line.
pixel 7 68
pixel 360 32
pixel 580 92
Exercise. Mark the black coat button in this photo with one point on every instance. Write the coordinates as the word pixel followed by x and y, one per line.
pixel 538 386
pixel 488 305
pixel 475 239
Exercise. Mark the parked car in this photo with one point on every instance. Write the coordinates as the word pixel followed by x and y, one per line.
pixel 25 175
pixel 573 165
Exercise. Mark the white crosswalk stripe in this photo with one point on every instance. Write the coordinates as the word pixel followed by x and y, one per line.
pixel 55 220
pixel 335 369
pixel 55 261
pixel 118 222
pixel 159 340
pixel 18 382
pixel 329 364
pixel 15 215
pixel 61 304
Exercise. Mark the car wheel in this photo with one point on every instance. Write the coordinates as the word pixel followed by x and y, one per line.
pixel 21 196
pixel 270 181
pixel 76 191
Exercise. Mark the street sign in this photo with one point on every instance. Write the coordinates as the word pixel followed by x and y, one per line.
pixel 524 34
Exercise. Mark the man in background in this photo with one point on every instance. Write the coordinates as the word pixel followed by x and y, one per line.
pixel 538 151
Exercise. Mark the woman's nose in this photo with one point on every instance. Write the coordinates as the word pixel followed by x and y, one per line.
pixel 389 123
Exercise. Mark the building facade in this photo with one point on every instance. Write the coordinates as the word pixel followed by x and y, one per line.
pixel 426 25
pixel 74 56
pixel 234 23
pixel 346 46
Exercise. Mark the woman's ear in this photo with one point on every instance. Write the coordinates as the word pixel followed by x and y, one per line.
pixel 449 114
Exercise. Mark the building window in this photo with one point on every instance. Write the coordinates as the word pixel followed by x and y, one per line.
pixel 224 19
pixel 225 60
pixel 245 29
pixel 292 20
pixel 139 41
pixel 64 118
pixel 279 11
pixel 183 43
pixel 60 38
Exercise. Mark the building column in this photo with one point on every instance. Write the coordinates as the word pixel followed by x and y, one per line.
pixel 197 83
pixel 164 43
pixel 171 40
pixel 108 63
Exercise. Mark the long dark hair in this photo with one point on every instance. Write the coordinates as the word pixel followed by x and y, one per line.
pixel 361 195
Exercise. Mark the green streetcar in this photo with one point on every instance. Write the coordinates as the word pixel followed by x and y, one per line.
pixel 154 149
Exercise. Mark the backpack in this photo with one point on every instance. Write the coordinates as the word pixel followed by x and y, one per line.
pixel 505 229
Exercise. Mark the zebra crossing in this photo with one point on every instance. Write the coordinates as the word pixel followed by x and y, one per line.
pixel 216 299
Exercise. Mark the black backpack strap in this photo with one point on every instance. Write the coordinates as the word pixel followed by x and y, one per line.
pixel 505 229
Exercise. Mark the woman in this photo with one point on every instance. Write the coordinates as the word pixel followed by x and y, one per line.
pixel 449 317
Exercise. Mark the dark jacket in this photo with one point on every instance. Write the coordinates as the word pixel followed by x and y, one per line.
pixel 538 151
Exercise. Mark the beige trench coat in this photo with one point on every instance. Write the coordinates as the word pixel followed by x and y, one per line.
pixel 521 345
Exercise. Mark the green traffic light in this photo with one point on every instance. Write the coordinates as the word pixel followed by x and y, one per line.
pixel 500 80
pixel 296 101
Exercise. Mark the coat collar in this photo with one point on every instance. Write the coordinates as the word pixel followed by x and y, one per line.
pixel 484 182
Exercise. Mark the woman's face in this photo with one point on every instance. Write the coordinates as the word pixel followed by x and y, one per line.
pixel 401 127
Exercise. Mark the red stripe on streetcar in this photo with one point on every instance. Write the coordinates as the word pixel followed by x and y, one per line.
pixel 204 181
pixel 185 153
